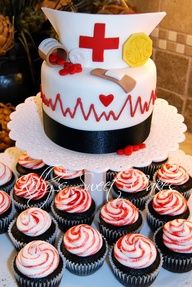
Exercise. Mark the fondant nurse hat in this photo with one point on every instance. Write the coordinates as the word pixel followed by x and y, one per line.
pixel 97 40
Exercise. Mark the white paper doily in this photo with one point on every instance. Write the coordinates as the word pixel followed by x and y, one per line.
pixel 26 127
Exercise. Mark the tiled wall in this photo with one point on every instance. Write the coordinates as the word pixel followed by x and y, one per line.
pixel 172 42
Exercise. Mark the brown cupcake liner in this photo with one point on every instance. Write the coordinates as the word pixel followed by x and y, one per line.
pixel 5 221
pixel 83 269
pixel 65 224
pixel 113 235
pixel 173 264
pixel 33 282
pixel 153 222
pixel 134 280
pixel 44 204
pixel 18 244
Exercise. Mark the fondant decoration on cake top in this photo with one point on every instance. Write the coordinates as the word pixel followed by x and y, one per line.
pixel 132 106
pixel 126 82
pixel 137 49
pixel 100 38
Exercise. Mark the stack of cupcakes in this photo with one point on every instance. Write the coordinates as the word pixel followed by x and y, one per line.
pixel 175 177
pixel 166 205
pixel 133 185
pixel 118 217
pixel 32 224
pixel 62 177
pixel 72 206
pixel 84 249
pixel 31 190
pixel 7 178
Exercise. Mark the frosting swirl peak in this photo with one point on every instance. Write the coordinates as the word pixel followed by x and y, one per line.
pixel 169 202
pixel 119 212
pixel 26 161
pixel 33 221
pixel 37 259
pixel 5 202
pixel 177 235
pixel 31 186
pixel 61 172
pixel 73 199
pixel 131 180
pixel 82 240
pixel 172 174
pixel 5 173
pixel 135 251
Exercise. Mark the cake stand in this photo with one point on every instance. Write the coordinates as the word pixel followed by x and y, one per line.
pixel 26 126
pixel 8 252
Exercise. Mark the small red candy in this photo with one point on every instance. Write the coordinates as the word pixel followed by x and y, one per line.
pixel 120 152
pixel 136 147
pixel 53 58
pixel 60 62
pixel 142 145
pixel 63 72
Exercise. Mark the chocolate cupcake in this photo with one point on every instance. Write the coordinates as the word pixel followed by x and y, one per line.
pixel 7 178
pixel 32 224
pixel 135 260
pixel 84 249
pixel 118 217
pixel 133 185
pixel 173 176
pixel 31 190
pixel 150 169
pixel 26 164
pixel 7 211
pixel 62 177
pixel 38 264
pixel 174 240
pixel 166 205
pixel 72 206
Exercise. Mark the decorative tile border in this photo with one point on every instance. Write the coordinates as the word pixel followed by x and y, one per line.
pixel 173 41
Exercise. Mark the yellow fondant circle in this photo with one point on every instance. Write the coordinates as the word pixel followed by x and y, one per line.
pixel 137 49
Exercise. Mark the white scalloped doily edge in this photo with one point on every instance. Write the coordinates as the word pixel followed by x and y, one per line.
pixel 26 126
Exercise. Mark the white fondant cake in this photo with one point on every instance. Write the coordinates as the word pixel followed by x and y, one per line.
pixel 109 103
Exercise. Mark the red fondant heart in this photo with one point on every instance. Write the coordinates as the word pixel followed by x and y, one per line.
pixel 106 100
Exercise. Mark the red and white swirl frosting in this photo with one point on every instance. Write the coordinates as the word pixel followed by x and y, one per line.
pixel 26 161
pixel 82 240
pixel 61 172
pixel 5 202
pixel 173 174
pixel 31 186
pixel 169 202
pixel 131 180
pixel 119 212
pixel 37 259
pixel 135 251
pixel 5 174
pixel 33 221
pixel 73 199
pixel 177 235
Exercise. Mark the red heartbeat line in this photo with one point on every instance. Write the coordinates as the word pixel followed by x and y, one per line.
pixel 139 106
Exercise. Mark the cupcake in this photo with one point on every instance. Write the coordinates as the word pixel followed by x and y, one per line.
pixel 83 248
pixel 175 177
pixel 166 205
pixel 72 206
pixel 135 260
pixel 31 190
pixel 26 165
pixel 7 211
pixel 174 240
pixel 118 217
pixel 7 178
pixel 133 185
pixel 38 264
pixel 152 168
pixel 32 224
pixel 62 177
